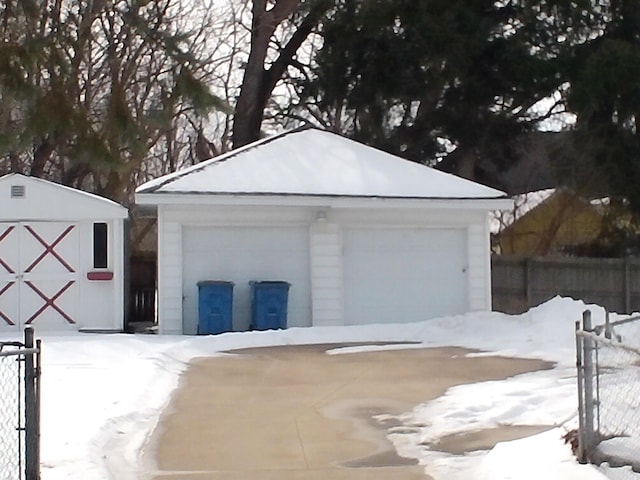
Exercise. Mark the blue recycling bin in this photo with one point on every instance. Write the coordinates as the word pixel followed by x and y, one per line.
pixel 269 303
pixel 215 304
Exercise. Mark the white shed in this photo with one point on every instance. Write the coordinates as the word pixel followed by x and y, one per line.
pixel 61 257
pixel 362 236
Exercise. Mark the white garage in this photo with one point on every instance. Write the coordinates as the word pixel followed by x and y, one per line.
pixel 61 258
pixel 360 235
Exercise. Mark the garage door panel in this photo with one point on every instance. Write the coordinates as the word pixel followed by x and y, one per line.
pixel 243 254
pixel 404 275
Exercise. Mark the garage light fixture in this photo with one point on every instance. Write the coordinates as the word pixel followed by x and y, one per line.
pixel 321 216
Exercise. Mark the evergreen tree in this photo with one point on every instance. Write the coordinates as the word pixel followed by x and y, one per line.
pixel 604 94
pixel 457 78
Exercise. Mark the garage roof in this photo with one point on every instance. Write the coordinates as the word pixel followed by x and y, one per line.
pixel 312 162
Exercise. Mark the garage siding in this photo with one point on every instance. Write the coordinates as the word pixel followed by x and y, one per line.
pixel 479 268
pixel 324 263
pixel 169 276
pixel 326 272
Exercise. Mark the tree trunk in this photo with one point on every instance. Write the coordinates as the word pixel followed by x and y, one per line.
pixel 250 106
pixel 258 83
pixel 14 162
pixel 41 156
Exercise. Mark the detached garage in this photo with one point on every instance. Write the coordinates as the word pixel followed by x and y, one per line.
pixel 360 235
pixel 61 258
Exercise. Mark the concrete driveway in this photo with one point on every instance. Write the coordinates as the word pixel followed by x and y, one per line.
pixel 295 412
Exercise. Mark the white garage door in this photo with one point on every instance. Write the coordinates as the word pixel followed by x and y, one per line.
pixel 404 275
pixel 243 254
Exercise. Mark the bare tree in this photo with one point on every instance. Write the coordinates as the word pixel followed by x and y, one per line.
pixel 94 94
pixel 278 29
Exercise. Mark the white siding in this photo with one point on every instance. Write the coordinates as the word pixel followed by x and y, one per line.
pixel 486 239
pixel 117 239
pixel 326 274
pixel 326 256
pixel 479 267
pixel 477 298
pixel 47 201
pixel 106 309
pixel 169 275
pixel 238 216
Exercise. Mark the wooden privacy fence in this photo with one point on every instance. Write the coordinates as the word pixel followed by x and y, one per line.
pixel 519 283
pixel 142 291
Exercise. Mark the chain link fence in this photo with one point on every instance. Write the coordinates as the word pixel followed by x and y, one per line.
pixel 608 361
pixel 11 410
pixel 20 409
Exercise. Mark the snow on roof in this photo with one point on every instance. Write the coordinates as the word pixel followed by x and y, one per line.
pixel 316 162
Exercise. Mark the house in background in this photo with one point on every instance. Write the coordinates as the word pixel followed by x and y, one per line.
pixel 547 222
pixel 62 258
pixel 362 236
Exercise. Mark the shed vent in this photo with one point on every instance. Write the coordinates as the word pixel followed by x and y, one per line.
pixel 18 191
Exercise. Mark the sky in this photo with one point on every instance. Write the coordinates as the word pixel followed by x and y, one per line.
pixel 102 395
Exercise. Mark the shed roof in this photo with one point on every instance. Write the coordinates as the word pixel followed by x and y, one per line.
pixel 312 162
pixel 45 200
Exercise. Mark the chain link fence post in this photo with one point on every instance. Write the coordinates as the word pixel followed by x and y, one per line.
pixel 608 371
pixel 589 403
pixel 582 444
pixel 32 415
pixel 20 408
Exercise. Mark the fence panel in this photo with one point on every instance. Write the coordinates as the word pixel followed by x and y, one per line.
pixel 142 294
pixel 519 283
pixel 20 409
pixel 11 413
pixel 608 361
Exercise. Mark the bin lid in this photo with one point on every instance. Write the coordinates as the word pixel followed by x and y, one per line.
pixel 269 282
pixel 215 282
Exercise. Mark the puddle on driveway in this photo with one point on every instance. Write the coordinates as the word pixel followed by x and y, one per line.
pixel 383 459
pixel 362 413
pixel 465 442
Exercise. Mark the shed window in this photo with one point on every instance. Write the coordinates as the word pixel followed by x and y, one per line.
pixel 99 245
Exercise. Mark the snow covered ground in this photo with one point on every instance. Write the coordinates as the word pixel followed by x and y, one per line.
pixel 102 394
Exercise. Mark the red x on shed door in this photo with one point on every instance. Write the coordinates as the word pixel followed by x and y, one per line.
pixel 9 275
pixel 38 274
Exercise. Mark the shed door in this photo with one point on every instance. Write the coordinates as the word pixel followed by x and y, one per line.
pixel 243 254
pixel 404 275
pixel 38 275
